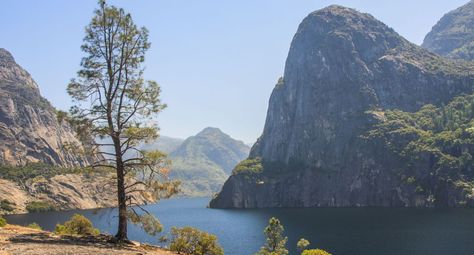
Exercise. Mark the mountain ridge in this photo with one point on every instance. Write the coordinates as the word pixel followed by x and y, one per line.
pixel 453 35
pixel 204 161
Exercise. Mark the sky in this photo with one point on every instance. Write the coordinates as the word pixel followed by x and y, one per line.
pixel 216 61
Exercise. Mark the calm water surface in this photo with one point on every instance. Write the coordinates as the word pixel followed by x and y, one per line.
pixel 342 231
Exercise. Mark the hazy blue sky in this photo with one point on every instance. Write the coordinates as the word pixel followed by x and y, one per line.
pixel 217 61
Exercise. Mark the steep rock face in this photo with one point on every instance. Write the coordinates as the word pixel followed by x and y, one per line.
pixel 453 35
pixel 344 69
pixel 29 129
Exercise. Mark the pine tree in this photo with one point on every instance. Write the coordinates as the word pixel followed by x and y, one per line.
pixel 275 242
pixel 114 101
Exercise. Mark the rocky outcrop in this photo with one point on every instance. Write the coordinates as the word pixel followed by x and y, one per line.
pixel 29 129
pixel 64 192
pixel 343 71
pixel 453 35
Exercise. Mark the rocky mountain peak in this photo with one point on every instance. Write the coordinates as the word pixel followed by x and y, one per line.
pixel 6 57
pixel 346 28
pixel 13 75
pixel 210 131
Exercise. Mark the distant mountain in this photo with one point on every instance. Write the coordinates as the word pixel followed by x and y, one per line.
pixel 453 35
pixel 204 161
pixel 29 129
pixel 164 144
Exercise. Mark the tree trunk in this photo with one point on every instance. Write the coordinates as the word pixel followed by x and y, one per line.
pixel 121 196
pixel 122 224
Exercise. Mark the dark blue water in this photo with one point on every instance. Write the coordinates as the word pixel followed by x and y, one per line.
pixel 342 231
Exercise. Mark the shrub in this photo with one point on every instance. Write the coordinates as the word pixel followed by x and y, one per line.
pixel 3 222
pixel 77 225
pixel 34 225
pixel 39 206
pixel 192 241
pixel 302 244
pixel 411 180
pixel 315 252
pixel 251 166
pixel 32 170
pixel 6 205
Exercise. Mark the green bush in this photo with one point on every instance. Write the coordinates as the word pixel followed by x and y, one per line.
pixel 42 170
pixel 3 222
pixel 252 166
pixel 39 206
pixel 302 244
pixel 32 170
pixel 6 205
pixel 77 225
pixel 34 225
pixel 315 252
pixel 411 180
pixel 192 241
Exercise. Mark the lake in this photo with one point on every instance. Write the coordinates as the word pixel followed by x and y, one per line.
pixel 341 231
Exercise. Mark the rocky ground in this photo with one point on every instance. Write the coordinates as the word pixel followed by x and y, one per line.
pixel 25 241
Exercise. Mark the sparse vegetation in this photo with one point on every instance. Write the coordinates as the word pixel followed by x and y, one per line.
pixel 39 206
pixel 276 243
pixel 249 166
pixel 6 205
pixel 77 225
pixel 34 225
pixel 3 222
pixel 433 145
pixel 34 170
pixel 315 252
pixel 192 241
pixel 302 244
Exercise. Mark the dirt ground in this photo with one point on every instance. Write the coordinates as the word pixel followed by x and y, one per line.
pixel 17 240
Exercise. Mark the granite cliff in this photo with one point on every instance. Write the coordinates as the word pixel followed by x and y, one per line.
pixel 35 162
pixel 351 123
pixel 453 35
pixel 29 129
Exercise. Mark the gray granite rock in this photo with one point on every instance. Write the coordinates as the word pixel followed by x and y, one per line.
pixel 29 128
pixel 342 68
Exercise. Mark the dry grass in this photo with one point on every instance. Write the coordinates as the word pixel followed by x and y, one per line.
pixel 26 241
